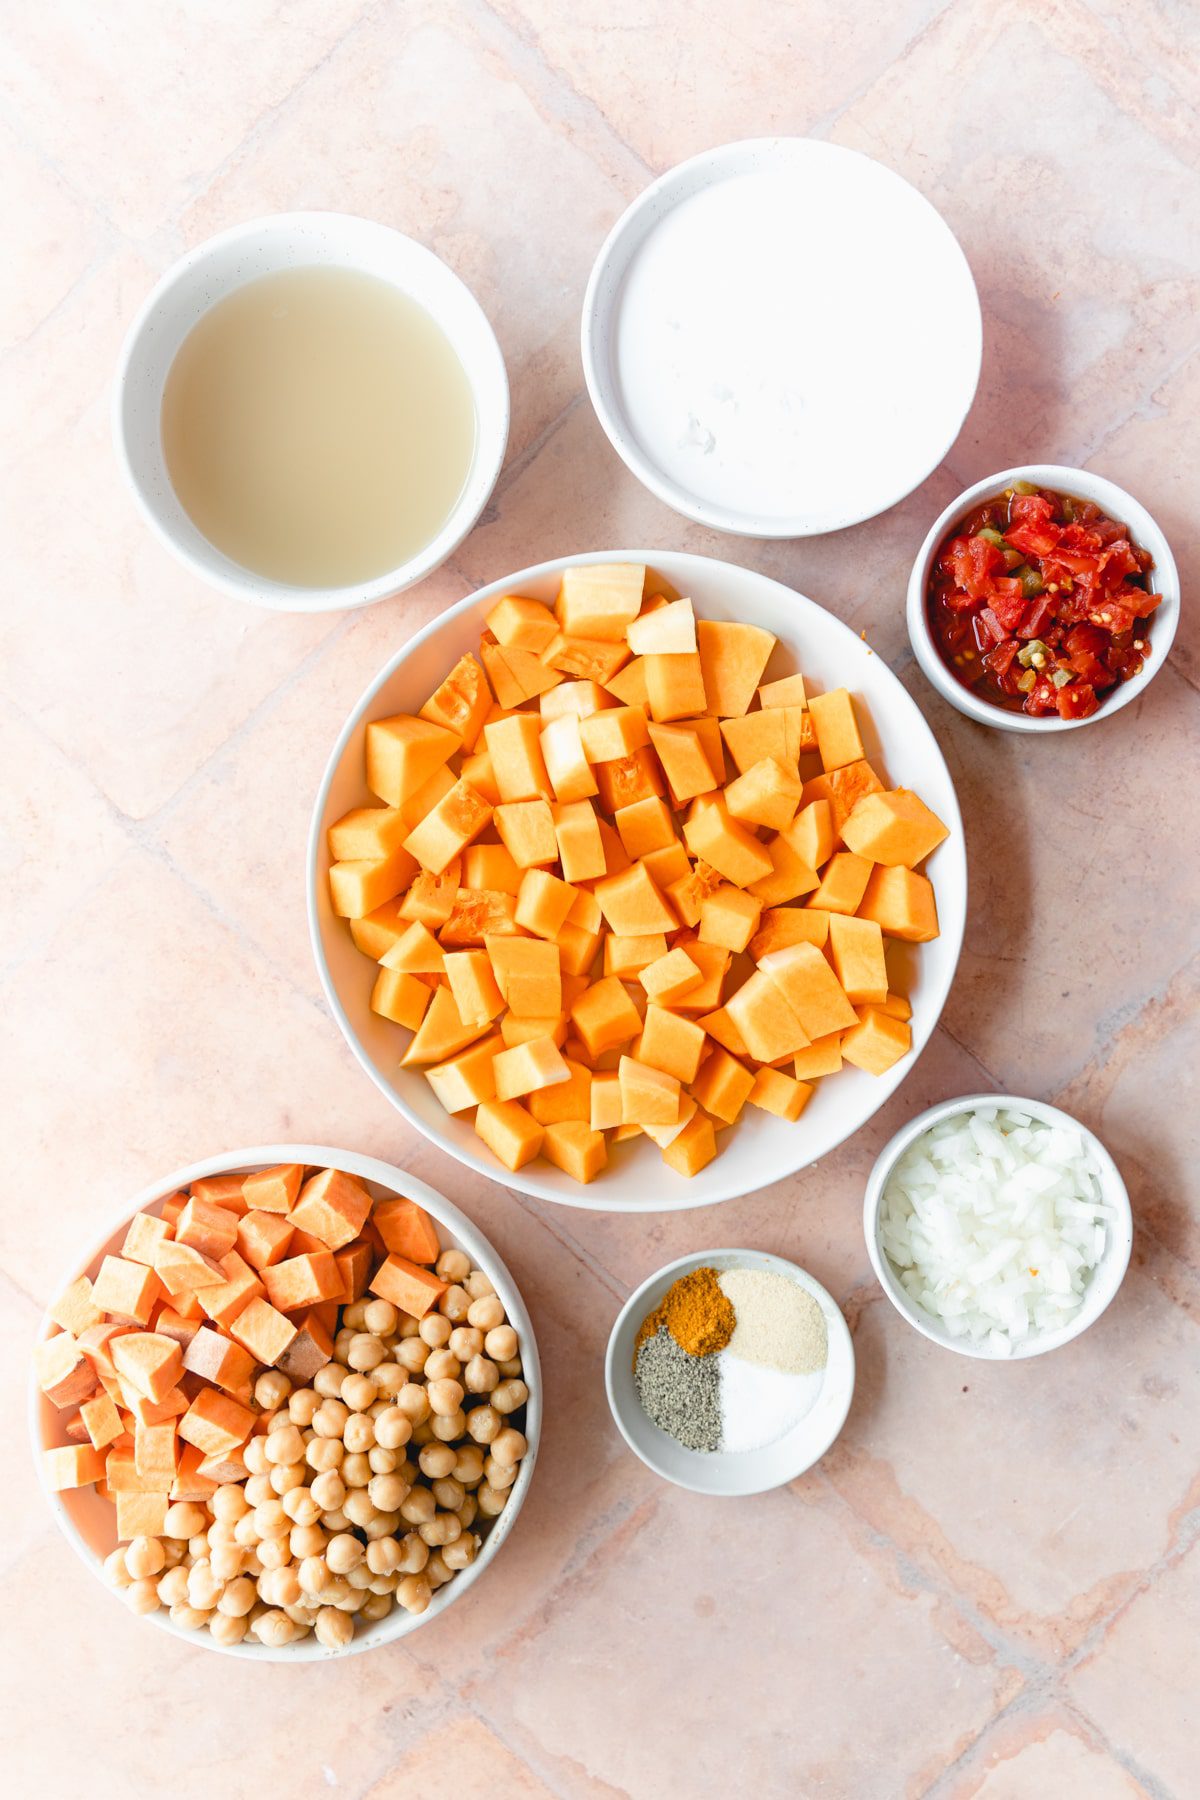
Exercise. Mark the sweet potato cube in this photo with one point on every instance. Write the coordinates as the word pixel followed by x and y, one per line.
pixel 777 1093
pixel 811 989
pixel 240 1285
pixel 684 759
pixel 101 1420
pixel 309 1350
pixel 301 1281
pixel 527 1067
pixel 403 752
pixel 367 834
pixel 215 1423
pixel 674 686
pixel 141 1515
pixel 604 1102
pixel 65 1374
pixel 648 1096
pixel 407 1229
pixel 572 1146
pixel 173 1206
pixel 729 918
pixel 843 883
pixel 155 1455
pixel 521 624
pixel 150 1412
pixel 671 1044
pixel 149 1361
pixel 190 1482
pixel 766 1022
pixel 511 1133
pixel 784 925
pixel 528 973
pixel 145 1234
pixel 580 850
pixel 811 834
pixel 182 1270
pixel 444 833
pixel 632 905
pixel 694 1148
pixel 273 1190
pixel 600 600
pixel 876 1041
pixel 893 828
pixel 96 1343
pixel 72 1466
pixel 822 1057
pixel 354 1264
pixel 413 1289
pixel 462 702
pixel 210 1229
pixel 723 1085
pixel 126 1290
pixel 856 949
pixel 725 844
pixel 526 829
pixel 901 903
pixel 263 1332
pixel 214 1357
pixel 670 978
pixel 789 691
pixel 333 1206
pixel 733 657
pixel 358 888
pixel 605 1016
pixel 767 794
pixel 75 1309
pixel 838 740
pixel 843 789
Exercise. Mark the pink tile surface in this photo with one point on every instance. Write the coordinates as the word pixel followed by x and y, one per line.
pixel 989 1589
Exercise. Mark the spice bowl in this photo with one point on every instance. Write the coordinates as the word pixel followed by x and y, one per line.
pixel 728 1473
pixel 1080 484
pixel 1106 1277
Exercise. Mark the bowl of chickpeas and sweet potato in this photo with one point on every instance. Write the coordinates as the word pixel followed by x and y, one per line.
pixel 289 1407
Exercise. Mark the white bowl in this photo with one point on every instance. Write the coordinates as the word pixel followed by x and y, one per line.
pixel 760 1148
pixel 1081 484
pixel 781 337
pixel 1106 1277
pixel 88 1522
pixel 721 1472
pixel 263 247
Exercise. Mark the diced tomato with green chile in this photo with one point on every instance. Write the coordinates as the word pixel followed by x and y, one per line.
pixel 1040 602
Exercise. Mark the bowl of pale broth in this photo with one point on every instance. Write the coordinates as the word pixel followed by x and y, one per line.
pixel 312 411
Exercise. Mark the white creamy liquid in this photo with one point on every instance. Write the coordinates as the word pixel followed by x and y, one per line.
pixel 787 347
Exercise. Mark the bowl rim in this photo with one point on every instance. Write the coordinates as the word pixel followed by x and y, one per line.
pixel 1114 1263
pixel 1120 504
pixel 588 1199
pixel 730 520
pixel 398 1624
pixel 836 1324
pixel 224 574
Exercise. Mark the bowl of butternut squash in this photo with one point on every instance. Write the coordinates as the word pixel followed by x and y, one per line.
pixel 636 881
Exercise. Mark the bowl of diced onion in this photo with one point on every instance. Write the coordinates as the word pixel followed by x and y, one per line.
pixel 998 1227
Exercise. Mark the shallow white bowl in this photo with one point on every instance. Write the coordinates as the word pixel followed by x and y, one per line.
pixel 781 337
pixel 1081 484
pixel 1106 1277
pixel 263 247
pixel 721 1472
pixel 88 1522
pixel 760 1148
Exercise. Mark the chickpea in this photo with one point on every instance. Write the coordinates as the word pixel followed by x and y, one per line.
pixel 323 1454
pixel 190 1617
pixel 274 1553
pixel 435 1331
pixel 226 1630
pixel 444 1528
pixel 359 1435
pixel 342 1342
pixel 334 1629
pixel 384 1556
pixel 359 1507
pixel 306 1540
pixel 468 1465
pixel 328 1380
pixel 226 1562
pixel 486 1312
pixel 453 1265
pixel 465 1342
pixel 449 1493
pixel 478 1284
pixel 442 1365
pixel 393 1428
pixel 254 1455
pixel 301 1505
pixel 329 1421
pixel 279 1587
pixel 418 1507
pixel 455 1304
pixel 413 1402
pixel 436 1460
pixel 141 1596
pixel 228 1503
pixel 509 1396
pixel 414 1593
pixel 501 1343
pixel 366 1352
pixel 510 1446
pixel 445 1397
pixel 461 1553
pixel 483 1424
pixel 343 1553
pixel 286 1445
pixel 491 1501
pixel 481 1376
pixel 286 1476
pixel 408 1326
pixel 115 1571
pixel 172 1587
pixel 389 1378
pixel 414 1554
pixel 328 1490
pixel 273 1629
pixel 270 1520
pixel 383 1462
pixel 302 1404
pixel 204 1588
pixel 510 1369
pixel 246 1531
pixel 380 1317
pixel 498 1474
pixel 468 1512
pixel 335 1521
pixel 184 1520
pixel 436 1571
pixel 339 1593
pixel 423 1433
pixel 314 1575
pixel 358 1392
pixel 384 1524
pixel 377 1606
pixel 356 1470
pixel 411 1354
pixel 354 1316
pixel 144 1556
pixel 449 1427
pixel 174 1550
pixel 387 1492
pixel 239 1596
pixel 258 1489
pixel 272 1389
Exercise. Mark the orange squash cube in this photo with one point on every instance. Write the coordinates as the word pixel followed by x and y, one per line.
pixel 566 762
pixel 466 1079
pixel 572 1146
pixel 838 739
pixel 767 1024
pixel 684 760
pixel 843 789
pixel 528 974
pixel 670 978
pixel 605 1016
pixel 719 1026
pixel 514 1030
pixel 516 675
pixel 729 918
pixel 521 624
pixel 141 1515
pixel 462 702
pixel 876 1042
pixel 628 956
pixel 581 852
pixel 613 733
pixel 367 834
pixel 777 1093
pixel 822 1057
pixel 526 830
pixel 402 753
pixel 377 931
pixel 767 794
pixel 579 698
pixel 490 866
pixel 400 997
pixel 309 1350
pixel 442 1032
pixel 600 600
pixel 790 875
pixel 811 834
pixel 628 779
pixel 784 925
pixel 473 986
pixel 648 1096
pixel 544 903
pixel 843 883
pixel 628 685
pixel 856 950
pixel 725 844
pixel 778 733
pixel 670 1043
pixel 668 864
pixel 632 905
pixel 894 828
pixel 901 903
pixel 694 1148
pixel 570 1099
pixel 357 888
pixel 526 1067
pixel 811 989
pixel 787 692
pixel 604 1102
pixel 517 762
pixel 733 657
pixel 723 1085
pixel 416 953
pixel 510 1132
pixel 446 831
pixel 674 686
pixel 589 659
pixel 713 964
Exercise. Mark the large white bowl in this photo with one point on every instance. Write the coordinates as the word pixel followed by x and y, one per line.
pixel 760 1148
pixel 264 247
pixel 1106 1278
pixel 1081 484
pixel 88 1522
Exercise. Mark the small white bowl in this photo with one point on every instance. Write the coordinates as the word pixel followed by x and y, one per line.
pixel 728 1474
pixel 781 337
pixel 1081 484
pixel 760 1148
pixel 1106 1277
pixel 264 247
pixel 88 1522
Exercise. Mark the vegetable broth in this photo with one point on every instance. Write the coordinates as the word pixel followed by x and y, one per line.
pixel 318 426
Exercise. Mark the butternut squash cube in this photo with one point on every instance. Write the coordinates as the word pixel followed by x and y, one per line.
pixel 416 953
pixel 674 686
pixel 580 849
pixel 491 866
pixel 626 957
pixel 462 702
pixel 896 1006
pixel 811 989
pixel 479 772
pixel 645 826
pixel 576 1149
pixel 577 948
pixel 811 833
pixel 723 1086
pixel 367 834
pixel 790 874
pixel 615 732
pixel 544 903
pixel 400 997
pixel 727 845
pixel 526 1067
pixel 777 1093
pixel 694 1148
pixel 894 828
pixel 528 973
pixel 843 789
pixel 721 1028
pixel 628 779
pixel 628 685
pixel 876 1042
pixel 518 624
pixel 431 898
pixel 377 931
pixel 558 1101
pixel 668 979
pixel 856 947
pixel 600 600
pixel 579 698
pixel 843 883
pixel 516 675
pixel 358 888
pixel 517 1030
pixel 632 905
pixel 780 732
pixel 443 1032
pixel 769 1027
pixel 466 1079
pixel 838 740
pixel 446 831
pixel 668 863
pixel 729 918
pixel 562 750
pixel 403 752
pixel 787 692
pixel 668 630
pixel 587 659
pixel 822 1057
pixel 519 768
pixel 733 657
pixel 477 915
pixel 685 762
pixel 473 985
pixel 784 925
pixel 648 1097
pixel 605 1016
pixel 713 964
pixel 526 830
pixel 511 1134
pixel 767 794
pixel 604 1102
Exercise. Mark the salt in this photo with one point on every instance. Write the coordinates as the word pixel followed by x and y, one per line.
pixel 758 1405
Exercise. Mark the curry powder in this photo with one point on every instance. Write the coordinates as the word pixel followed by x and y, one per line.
pixel 698 1315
